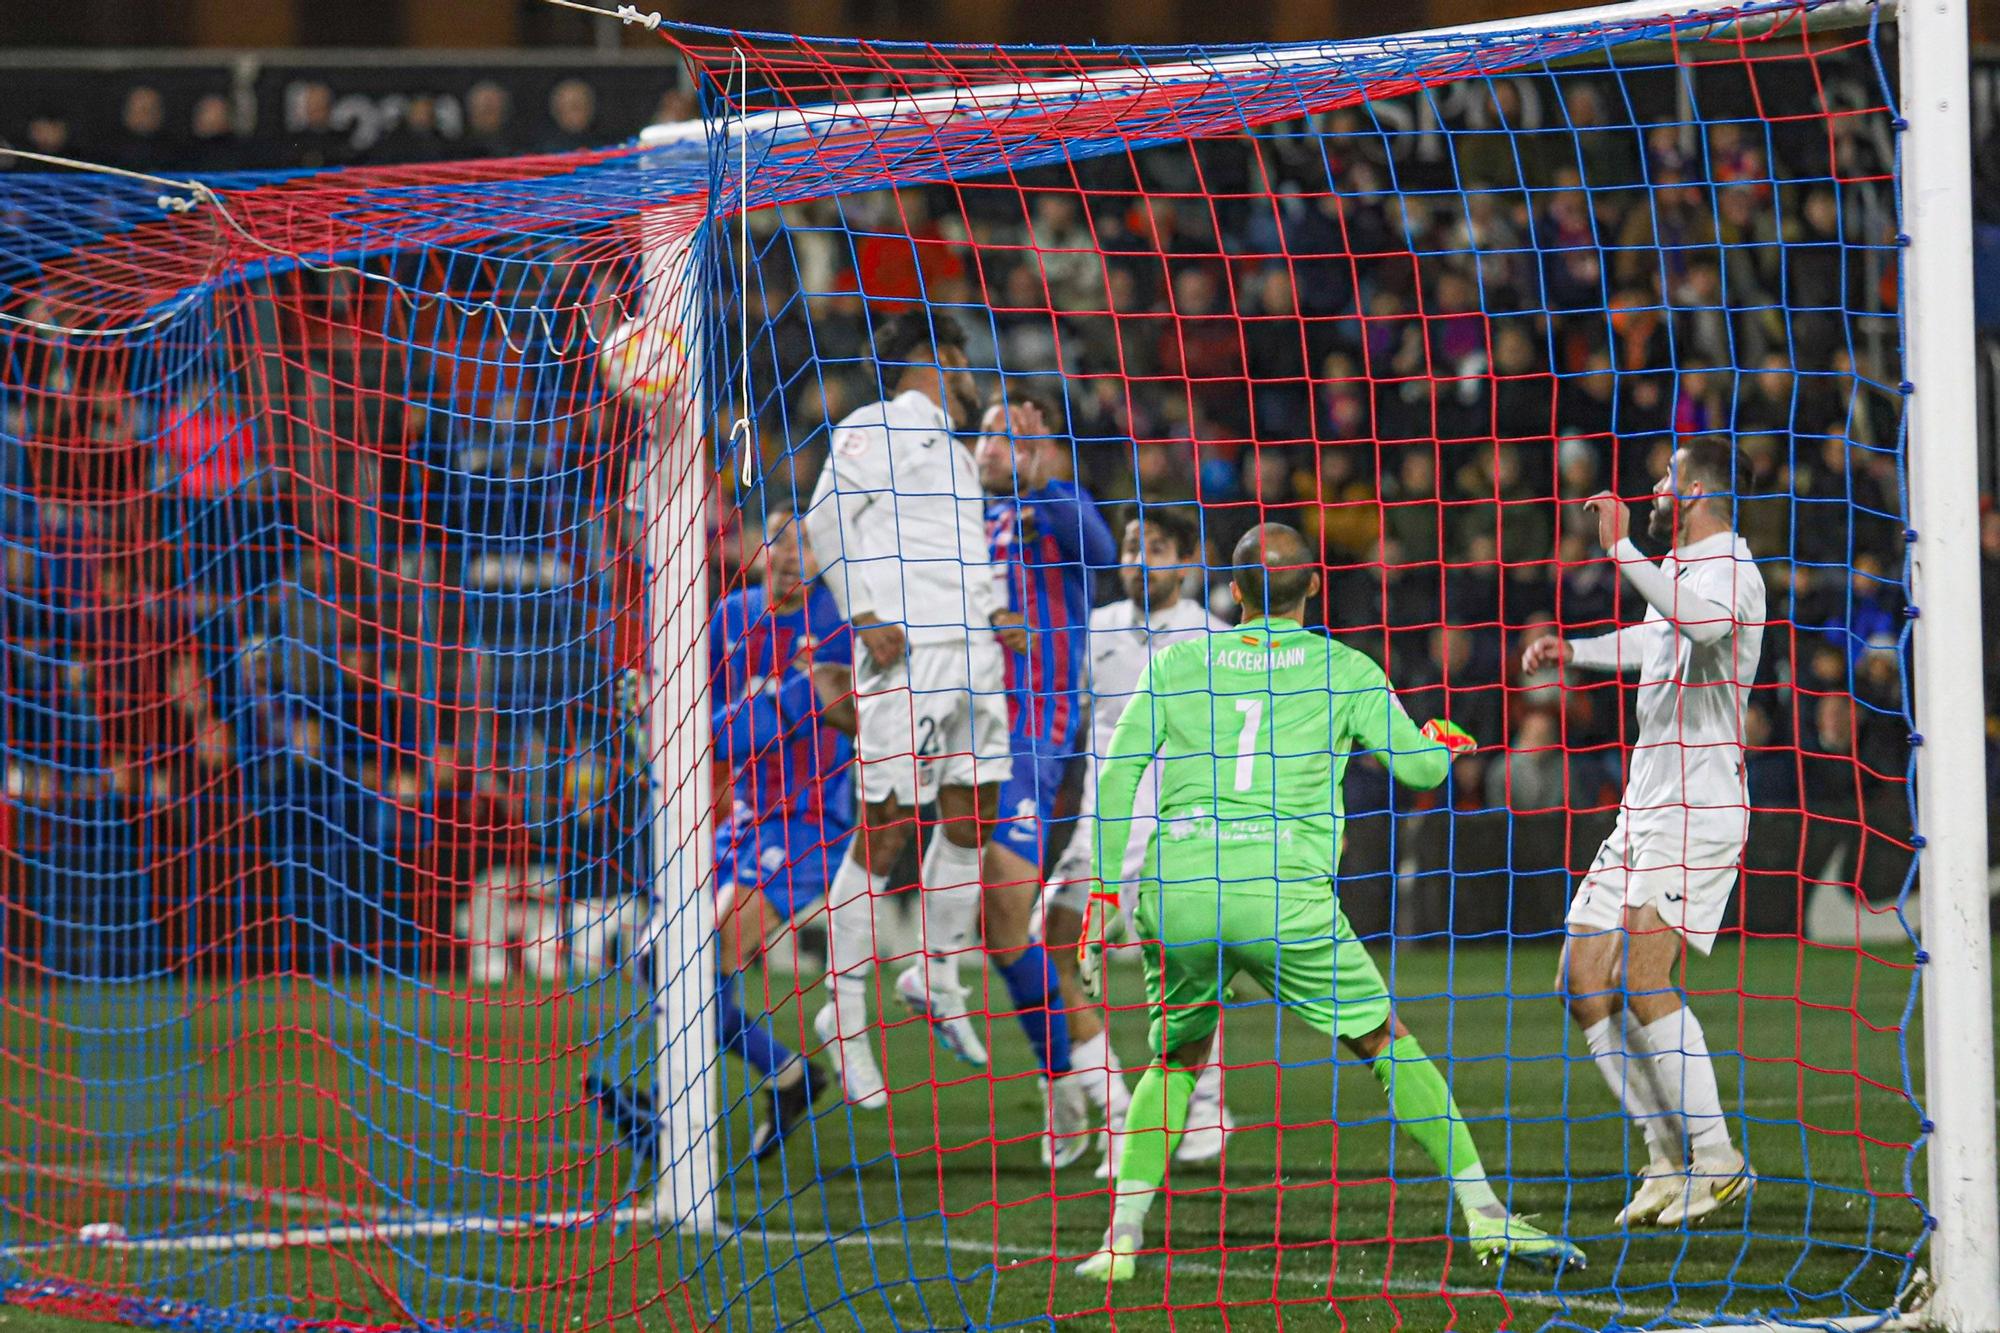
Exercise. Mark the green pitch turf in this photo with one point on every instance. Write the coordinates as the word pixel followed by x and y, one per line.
pixel 303 1104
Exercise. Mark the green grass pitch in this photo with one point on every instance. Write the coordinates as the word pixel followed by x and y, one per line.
pixel 304 1104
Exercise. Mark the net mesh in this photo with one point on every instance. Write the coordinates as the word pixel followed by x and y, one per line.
pixel 407 634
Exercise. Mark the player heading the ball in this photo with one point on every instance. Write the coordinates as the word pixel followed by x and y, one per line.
pixel 898 521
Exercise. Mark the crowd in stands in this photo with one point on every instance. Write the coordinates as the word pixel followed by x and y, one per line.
pixel 408 613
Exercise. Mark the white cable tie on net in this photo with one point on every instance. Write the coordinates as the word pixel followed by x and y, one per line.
pixel 748 461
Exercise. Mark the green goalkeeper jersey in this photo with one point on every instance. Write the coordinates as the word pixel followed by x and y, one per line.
pixel 1253 728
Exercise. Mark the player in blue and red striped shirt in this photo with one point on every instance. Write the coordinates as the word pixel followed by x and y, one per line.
pixel 1047 541
pixel 780 673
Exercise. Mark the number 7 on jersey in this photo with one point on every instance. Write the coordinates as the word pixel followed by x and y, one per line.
pixel 1252 711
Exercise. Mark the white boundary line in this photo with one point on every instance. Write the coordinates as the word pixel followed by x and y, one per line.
pixel 123 1179
pixel 796 1240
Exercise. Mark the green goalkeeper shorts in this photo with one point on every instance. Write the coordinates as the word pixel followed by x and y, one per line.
pixel 1296 944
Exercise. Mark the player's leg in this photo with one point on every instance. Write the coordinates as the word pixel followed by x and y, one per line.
pixel 1064 903
pixel 1591 976
pixel 949 906
pixel 1093 1062
pixel 1318 968
pixel 1209 1120
pixel 1013 861
pixel 1184 967
pixel 886 743
pixel 794 864
pixel 1670 1031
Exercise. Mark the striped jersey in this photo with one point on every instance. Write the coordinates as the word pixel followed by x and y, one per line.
pixel 1046 546
pixel 786 763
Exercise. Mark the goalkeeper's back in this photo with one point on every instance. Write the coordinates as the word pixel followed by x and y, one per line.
pixel 1253 728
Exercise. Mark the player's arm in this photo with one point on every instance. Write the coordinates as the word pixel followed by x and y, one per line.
pixel 740 726
pixel 1685 603
pixel 836 520
pixel 1619 651
pixel 1416 757
pixel 1134 743
pixel 1062 510
pixel 833 681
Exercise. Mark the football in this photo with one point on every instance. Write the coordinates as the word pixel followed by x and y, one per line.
pixel 643 362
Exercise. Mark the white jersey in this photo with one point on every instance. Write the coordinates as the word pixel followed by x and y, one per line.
pixel 898 522
pixel 1696 653
pixel 1122 642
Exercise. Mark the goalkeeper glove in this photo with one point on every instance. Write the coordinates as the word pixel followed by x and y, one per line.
pixel 1451 736
pixel 1090 945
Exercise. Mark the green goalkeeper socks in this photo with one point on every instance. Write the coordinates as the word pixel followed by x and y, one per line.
pixel 1153 1125
pixel 1423 1105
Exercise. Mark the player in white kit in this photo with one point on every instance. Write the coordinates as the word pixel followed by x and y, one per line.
pixel 1157 551
pixel 1664 877
pixel 898 521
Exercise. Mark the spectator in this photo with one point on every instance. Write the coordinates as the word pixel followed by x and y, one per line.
pixel 141 118
pixel 488 107
pixel 1530 775
pixel 573 112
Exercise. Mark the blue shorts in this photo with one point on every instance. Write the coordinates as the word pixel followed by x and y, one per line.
pixel 1028 796
pixel 790 861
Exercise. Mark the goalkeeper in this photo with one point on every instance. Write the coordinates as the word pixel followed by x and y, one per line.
pixel 1253 728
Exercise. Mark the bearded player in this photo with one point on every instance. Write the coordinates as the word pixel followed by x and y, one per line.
pixel 1252 730
pixel 1663 879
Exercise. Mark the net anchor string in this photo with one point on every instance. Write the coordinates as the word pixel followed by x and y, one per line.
pixel 199 194
pixel 650 19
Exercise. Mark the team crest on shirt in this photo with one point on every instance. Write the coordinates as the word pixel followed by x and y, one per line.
pixel 850 443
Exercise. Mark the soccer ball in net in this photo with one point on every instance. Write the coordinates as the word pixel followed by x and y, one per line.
pixel 643 362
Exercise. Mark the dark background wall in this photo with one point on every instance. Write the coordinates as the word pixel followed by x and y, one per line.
pixel 505 23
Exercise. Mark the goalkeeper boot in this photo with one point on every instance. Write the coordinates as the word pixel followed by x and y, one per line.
pixel 930 997
pixel 1118 1260
pixel 787 1107
pixel 1715 1182
pixel 1503 1236
pixel 1660 1186
pixel 860 1077
pixel 1069 1135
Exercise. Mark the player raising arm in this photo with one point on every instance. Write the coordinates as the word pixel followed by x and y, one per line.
pixel 1664 877
pixel 1252 729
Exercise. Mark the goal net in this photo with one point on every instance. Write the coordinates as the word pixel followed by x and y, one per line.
pixel 465 624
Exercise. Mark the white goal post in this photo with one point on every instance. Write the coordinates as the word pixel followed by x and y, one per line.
pixel 1937 324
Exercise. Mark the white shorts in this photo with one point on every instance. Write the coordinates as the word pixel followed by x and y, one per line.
pixel 1681 862
pixel 1070 882
pixel 936 718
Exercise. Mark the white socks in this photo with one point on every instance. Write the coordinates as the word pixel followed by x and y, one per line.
pixel 1103 1079
pixel 951 892
pixel 1686 1076
pixel 1634 1081
pixel 850 941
